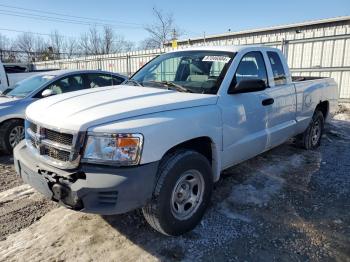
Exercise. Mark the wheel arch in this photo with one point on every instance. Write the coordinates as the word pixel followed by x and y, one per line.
pixel 323 106
pixel 205 146
pixel 11 119
pixel 4 147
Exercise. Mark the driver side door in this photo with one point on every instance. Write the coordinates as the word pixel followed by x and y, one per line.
pixel 244 115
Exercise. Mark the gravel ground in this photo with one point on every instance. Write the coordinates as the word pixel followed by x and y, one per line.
pixel 7 178
pixel 287 204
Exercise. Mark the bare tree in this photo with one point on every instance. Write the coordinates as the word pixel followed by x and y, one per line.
pixel 84 44
pixel 122 45
pixel 4 42
pixel 108 40
pixel 57 43
pixel 113 43
pixel 90 42
pixel 26 42
pixel 95 41
pixel 35 47
pixel 71 47
pixel 4 45
pixel 161 31
pixel 29 47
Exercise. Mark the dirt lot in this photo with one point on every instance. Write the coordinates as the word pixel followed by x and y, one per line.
pixel 285 205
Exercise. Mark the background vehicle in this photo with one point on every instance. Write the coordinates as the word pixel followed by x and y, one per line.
pixel 162 143
pixel 14 103
pixel 12 73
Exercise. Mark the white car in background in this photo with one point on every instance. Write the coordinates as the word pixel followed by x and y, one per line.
pixel 14 102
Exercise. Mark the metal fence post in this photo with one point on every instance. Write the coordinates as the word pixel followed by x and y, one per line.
pixel 128 65
pixel 285 47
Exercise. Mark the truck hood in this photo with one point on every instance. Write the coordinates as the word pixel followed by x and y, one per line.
pixel 78 111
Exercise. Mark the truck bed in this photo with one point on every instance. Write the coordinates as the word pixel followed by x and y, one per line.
pixel 306 78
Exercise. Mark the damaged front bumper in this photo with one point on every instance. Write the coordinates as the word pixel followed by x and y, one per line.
pixel 90 188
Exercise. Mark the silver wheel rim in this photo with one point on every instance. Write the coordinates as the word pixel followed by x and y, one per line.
pixel 315 132
pixel 16 135
pixel 187 194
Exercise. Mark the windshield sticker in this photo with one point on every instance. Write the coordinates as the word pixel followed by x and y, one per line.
pixel 212 58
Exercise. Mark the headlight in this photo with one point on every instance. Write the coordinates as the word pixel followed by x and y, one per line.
pixel 113 149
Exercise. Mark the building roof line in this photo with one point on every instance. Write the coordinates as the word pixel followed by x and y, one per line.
pixel 272 28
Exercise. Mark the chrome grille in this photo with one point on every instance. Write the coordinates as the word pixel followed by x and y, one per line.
pixel 32 142
pixel 33 127
pixel 57 154
pixel 57 148
pixel 65 139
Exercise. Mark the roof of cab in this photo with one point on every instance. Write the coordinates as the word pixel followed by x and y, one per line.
pixel 226 48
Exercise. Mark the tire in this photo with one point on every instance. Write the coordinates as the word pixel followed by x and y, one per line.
pixel 311 138
pixel 11 133
pixel 182 193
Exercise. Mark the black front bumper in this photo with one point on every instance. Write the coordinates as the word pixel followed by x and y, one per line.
pixel 91 188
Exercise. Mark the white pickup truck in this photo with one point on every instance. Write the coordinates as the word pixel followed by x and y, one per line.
pixel 8 78
pixel 161 140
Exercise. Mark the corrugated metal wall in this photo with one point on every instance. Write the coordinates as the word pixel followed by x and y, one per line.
pixel 317 51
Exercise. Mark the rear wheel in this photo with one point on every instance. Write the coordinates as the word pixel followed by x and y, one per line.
pixel 182 193
pixel 11 133
pixel 311 138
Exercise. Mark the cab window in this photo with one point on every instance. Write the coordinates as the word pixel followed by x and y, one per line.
pixel 117 80
pixel 100 80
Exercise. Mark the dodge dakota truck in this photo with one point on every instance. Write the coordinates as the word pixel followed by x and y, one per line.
pixel 160 140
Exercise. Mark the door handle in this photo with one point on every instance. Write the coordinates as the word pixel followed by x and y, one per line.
pixel 268 101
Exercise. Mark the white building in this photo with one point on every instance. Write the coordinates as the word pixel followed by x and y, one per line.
pixel 316 48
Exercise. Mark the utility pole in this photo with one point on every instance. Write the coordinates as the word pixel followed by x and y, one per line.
pixel 204 37
pixel 174 41
pixel 174 34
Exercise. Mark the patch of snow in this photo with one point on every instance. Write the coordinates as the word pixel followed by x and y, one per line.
pixel 342 117
pixel 16 193
pixel 227 211
pixel 256 191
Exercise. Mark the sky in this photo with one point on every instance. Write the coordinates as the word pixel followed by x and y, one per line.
pixel 193 17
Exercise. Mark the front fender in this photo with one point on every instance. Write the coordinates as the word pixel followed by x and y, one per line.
pixel 162 131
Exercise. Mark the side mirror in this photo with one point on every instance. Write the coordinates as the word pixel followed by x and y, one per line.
pixel 246 86
pixel 47 93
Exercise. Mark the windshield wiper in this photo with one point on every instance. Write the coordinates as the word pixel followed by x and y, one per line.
pixel 4 95
pixel 133 82
pixel 171 84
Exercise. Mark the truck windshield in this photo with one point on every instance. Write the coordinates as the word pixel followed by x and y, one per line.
pixel 185 71
pixel 26 86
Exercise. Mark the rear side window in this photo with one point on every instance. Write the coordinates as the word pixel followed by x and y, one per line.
pixel 117 80
pixel 279 74
pixel 99 80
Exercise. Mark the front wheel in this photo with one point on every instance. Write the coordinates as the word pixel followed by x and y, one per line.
pixel 182 193
pixel 311 138
pixel 11 133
